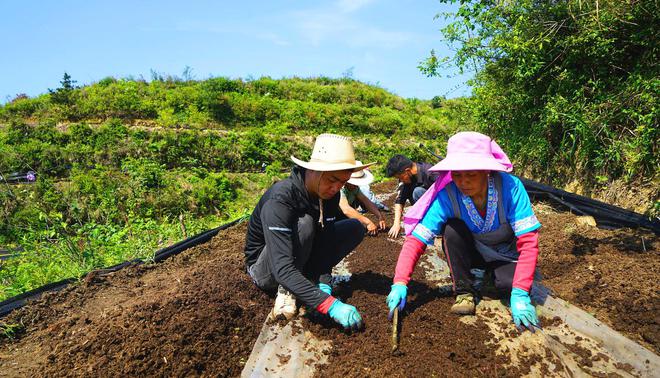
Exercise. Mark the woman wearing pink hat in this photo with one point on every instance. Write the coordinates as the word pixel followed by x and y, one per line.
pixel 486 221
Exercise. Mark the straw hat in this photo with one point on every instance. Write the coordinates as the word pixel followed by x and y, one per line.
pixel 332 153
pixel 361 177
pixel 472 151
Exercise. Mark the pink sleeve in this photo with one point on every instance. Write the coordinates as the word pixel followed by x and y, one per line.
pixel 528 247
pixel 410 252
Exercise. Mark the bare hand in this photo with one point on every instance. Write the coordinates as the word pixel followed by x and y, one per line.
pixel 371 228
pixel 394 231
pixel 381 224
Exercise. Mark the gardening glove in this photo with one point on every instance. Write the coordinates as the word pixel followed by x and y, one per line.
pixel 346 315
pixel 522 310
pixel 325 288
pixel 397 297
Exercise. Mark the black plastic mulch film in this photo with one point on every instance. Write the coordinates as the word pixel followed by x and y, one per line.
pixel 606 216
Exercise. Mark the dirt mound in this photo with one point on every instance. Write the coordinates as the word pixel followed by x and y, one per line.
pixel 197 313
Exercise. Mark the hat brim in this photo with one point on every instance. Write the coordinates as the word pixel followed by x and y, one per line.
pixel 329 167
pixel 468 162
pixel 367 179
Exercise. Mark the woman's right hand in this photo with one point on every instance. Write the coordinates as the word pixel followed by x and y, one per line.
pixel 397 298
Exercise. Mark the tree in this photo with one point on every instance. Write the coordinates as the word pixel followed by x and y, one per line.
pixel 62 95
pixel 567 86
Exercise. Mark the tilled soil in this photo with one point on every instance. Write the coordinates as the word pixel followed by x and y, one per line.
pixel 432 341
pixel 611 274
pixel 199 314
pixel 195 314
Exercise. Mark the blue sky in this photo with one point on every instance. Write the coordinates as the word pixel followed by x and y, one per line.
pixel 378 41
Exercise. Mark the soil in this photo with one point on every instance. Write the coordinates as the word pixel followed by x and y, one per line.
pixel 195 314
pixel 611 274
pixel 198 313
pixel 426 326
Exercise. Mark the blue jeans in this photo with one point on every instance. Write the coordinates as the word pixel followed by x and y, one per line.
pixel 418 192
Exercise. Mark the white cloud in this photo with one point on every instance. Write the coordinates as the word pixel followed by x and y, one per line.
pixel 340 25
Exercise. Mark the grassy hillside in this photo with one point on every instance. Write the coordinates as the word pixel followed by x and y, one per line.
pixel 126 166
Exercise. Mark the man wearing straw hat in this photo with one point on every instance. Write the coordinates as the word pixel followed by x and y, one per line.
pixel 295 237
pixel 352 196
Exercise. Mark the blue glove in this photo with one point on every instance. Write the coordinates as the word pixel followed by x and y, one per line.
pixel 346 315
pixel 325 288
pixel 397 297
pixel 522 310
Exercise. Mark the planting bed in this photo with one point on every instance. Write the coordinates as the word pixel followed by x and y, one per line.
pixel 199 314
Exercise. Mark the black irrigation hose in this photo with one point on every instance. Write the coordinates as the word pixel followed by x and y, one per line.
pixel 21 300
pixel 606 215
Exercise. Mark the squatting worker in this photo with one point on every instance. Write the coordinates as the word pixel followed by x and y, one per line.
pixel 353 197
pixel 414 179
pixel 294 237
pixel 486 222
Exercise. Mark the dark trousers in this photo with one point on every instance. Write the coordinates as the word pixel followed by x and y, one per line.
pixel 315 252
pixel 462 255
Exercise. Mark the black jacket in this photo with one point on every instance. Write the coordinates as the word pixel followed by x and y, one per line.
pixel 279 209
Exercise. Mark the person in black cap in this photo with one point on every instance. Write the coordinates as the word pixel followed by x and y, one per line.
pixel 414 178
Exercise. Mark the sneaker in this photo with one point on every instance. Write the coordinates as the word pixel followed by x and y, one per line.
pixel 464 305
pixel 285 304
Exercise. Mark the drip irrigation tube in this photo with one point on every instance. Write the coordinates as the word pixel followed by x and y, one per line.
pixel 606 215
pixel 21 300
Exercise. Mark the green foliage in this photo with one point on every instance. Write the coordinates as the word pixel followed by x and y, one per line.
pixel 569 88
pixel 437 101
pixel 122 163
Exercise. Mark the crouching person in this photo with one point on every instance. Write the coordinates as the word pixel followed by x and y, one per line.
pixel 294 237
pixel 486 222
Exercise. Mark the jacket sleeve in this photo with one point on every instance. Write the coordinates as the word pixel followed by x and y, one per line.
pixel 528 247
pixel 279 222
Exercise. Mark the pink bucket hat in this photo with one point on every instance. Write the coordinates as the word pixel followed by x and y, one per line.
pixel 472 151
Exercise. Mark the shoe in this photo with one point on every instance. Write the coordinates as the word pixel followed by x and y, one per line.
pixel 285 305
pixel 464 305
